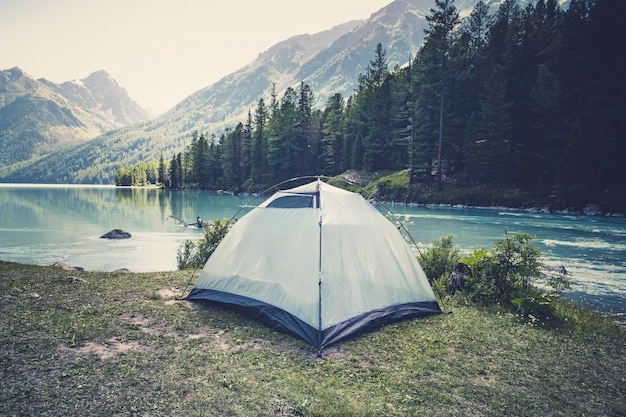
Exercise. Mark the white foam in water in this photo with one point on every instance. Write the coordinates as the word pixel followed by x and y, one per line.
pixel 587 244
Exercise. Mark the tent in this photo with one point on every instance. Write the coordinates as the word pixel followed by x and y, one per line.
pixel 318 262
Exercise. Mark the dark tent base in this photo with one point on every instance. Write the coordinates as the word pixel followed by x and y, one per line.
pixel 287 323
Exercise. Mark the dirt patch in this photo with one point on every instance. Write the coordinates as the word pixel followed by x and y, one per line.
pixel 331 352
pixel 168 293
pixel 146 325
pixel 486 379
pixel 197 336
pixel 103 351
pixel 229 345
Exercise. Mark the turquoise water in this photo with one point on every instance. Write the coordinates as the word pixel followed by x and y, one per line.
pixel 45 224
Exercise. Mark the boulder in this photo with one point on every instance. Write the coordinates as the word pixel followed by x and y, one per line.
pixel 116 234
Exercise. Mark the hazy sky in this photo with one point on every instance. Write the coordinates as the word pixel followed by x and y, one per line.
pixel 159 51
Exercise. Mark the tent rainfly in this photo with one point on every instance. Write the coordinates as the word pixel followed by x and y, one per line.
pixel 318 262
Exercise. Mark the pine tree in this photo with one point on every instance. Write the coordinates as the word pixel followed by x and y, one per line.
pixel 300 149
pixel 489 149
pixel 374 102
pixel 358 153
pixel 353 128
pixel 333 135
pixel 400 118
pixel 200 162
pixel 468 70
pixel 282 161
pixel 246 145
pixel 441 24
pixel 162 179
pixel 231 158
pixel 175 171
pixel 605 121
pixel 258 146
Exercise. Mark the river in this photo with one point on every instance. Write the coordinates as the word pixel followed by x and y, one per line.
pixel 43 224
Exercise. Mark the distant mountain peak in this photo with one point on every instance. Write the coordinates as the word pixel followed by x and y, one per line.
pixel 100 77
pixel 39 116
pixel 101 94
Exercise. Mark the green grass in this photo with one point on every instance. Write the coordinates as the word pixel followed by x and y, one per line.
pixel 78 343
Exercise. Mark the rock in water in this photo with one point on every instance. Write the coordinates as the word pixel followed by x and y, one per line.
pixel 116 234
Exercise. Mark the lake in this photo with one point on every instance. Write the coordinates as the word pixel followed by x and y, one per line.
pixel 43 224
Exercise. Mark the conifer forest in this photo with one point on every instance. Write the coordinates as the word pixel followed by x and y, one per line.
pixel 522 98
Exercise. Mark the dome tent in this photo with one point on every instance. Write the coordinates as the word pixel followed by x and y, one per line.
pixel 318 262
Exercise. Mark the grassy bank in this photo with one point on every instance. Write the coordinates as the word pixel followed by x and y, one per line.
pixel 392 186
pixel 77 343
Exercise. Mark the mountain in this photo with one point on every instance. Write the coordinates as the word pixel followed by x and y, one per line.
pixel 38 116
pixel 227 102
pixel 329 61
pixel 102 95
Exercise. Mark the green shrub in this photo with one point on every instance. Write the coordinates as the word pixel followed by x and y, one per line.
pixel 479 284
pixel 438 260
pixel 504 275
pixel 191 255
pixel 507 275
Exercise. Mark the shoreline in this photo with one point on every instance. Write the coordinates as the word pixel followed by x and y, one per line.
pixel 566 212
pixel 581 301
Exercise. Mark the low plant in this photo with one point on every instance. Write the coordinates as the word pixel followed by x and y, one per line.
pixel 195 255
pixel 505 275
pixel 438 260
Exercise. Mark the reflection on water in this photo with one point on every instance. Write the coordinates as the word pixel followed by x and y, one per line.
pixel 44 224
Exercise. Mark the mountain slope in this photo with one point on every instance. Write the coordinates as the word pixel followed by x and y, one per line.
pixel 38 117
pixel 399 27
pixel 226 102
pixel 330 62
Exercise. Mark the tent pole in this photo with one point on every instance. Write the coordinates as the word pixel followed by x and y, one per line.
pixel 319 275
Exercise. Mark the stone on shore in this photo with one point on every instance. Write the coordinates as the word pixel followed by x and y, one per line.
pixel 67 267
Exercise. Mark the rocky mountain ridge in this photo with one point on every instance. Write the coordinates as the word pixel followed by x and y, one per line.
pixel 101 94
pixel 38 116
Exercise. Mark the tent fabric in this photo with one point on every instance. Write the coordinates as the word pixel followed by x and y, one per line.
pixel 318 262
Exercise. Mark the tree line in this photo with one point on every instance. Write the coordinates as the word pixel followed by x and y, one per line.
pixel 521 97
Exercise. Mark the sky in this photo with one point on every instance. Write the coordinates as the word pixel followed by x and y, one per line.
pixel 160 51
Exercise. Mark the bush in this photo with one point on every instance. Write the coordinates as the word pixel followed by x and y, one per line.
pixel 505 275
pixel 192 255
pixel 438 260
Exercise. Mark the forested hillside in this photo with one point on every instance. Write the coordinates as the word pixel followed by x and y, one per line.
pixel 521 98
